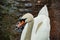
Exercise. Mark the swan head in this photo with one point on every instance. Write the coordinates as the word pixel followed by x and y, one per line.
pixel 28 17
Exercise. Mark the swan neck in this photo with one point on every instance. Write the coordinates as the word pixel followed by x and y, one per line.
pixel 29 30
pixel 30 24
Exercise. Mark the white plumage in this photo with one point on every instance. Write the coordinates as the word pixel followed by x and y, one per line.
pixel 42 31
pixel 44 11
pixel 38 28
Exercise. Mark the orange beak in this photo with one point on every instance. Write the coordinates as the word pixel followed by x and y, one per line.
pixel 20 24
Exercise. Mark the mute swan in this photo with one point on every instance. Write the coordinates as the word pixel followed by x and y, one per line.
pixel 32 32
pixel 36 28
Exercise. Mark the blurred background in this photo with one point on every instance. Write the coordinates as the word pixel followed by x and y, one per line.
pixel 11 10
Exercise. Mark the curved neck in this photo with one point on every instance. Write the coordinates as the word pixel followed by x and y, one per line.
pixel 29 30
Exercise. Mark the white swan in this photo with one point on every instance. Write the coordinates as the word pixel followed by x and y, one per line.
pixel 36 28
pixel 39 31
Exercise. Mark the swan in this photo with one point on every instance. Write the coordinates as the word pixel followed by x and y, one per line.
pixel 32 32
pixel 37 28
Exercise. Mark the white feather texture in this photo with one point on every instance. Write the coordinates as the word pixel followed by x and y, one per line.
pixel 43 32
pixel 44 11
pixel 40 29
pixel 26 33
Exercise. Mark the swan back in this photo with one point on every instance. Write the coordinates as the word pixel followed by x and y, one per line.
pixel 42 31
pixel 41 28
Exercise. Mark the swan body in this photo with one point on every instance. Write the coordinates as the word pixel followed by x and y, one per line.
pixel 37 28
pixel 41 32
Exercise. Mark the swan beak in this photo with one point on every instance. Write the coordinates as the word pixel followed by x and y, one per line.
pixel 20 24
